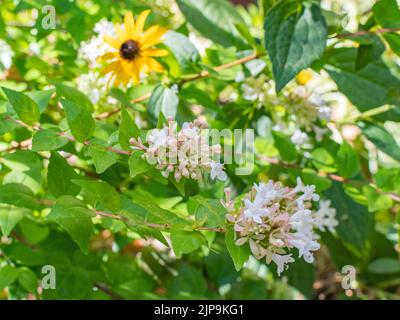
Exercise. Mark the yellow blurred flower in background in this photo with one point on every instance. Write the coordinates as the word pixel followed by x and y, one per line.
pixel 304 76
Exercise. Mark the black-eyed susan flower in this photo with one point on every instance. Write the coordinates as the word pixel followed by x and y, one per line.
pixel 135 50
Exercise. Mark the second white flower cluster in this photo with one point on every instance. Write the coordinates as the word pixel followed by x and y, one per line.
pixel 273 219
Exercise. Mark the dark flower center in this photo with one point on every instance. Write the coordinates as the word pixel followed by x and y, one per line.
pixel 129 50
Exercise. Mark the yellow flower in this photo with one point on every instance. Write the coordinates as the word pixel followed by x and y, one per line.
pixel 135 50
pixel 304 76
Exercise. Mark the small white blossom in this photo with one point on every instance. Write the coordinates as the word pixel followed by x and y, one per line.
pixel 299 137
pixel 6 55
pixel 94 86
pixel 217 171
pixel 325 216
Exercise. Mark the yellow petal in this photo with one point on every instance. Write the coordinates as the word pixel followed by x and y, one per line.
pixel 152 37
pixel 140 23
pixel 154 52
pixel 112 42
pixel 129 25
pixel 108 56
pixel 120 33
pixel 112 67
pixel 154 65
pixel 135 71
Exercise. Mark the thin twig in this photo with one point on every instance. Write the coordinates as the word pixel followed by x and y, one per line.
pixel 365 33
pixel 107 290
pixel 200 75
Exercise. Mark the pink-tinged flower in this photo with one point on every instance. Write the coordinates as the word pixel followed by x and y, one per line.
pixel 274 220
pixel 182 153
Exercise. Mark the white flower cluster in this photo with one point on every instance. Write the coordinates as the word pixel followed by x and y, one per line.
pixel 95 47
pixel 295 112
pixel 93 84
pixel 273 219
pixel 6 55
pixel 184 153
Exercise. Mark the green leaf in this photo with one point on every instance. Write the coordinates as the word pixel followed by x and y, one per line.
pixel 48 140
pixel 6 125
pixel 364 55
pixel 59 176
pixel 376 200
pixel 382 139
pixel 17 195
pixel 323 160
pixel 239 254
pixel 102 158
pixel 375 78
pixel 310 176
pixel 384 266
pixel 9 218
pixel 295 36
pixel 387 13
pixel 103 192
pixel 184 241
pixel 127 129
pixel 73 216
pixel 286 148
pixel 26 109
pixel 32 231
pixel 347 161
pixel 388 180
pixel 210 210
pixel 24 255
pixel 28 280
pixel 138 165
pixel 393 39
pixel 214 19
pixel 79 119
pixel 183 50
pixel 74 96
pixel 164 100
pixel 41 98
pixel 355 221
pixel 301 275
pixel 188 283
pixel 144 208
pixel 25 167
pixel 8 274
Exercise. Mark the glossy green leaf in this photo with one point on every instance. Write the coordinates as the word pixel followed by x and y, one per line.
pixel 347 161
pixel 184 241
pixel 17 195
pixel 104 193
pixel 239 254
pixel 209 210
pixel 214 19
pixel 73 216
pixel 59 176
pixel 8 274
pixel 25 107
pixel 355 221
pixel 295 36
pixel 79 119
pixel 286 148
pixel 163 100
pixel 127 129
pixel 48 140
pixel 10 216
pixel 102 157
pixel 382 139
